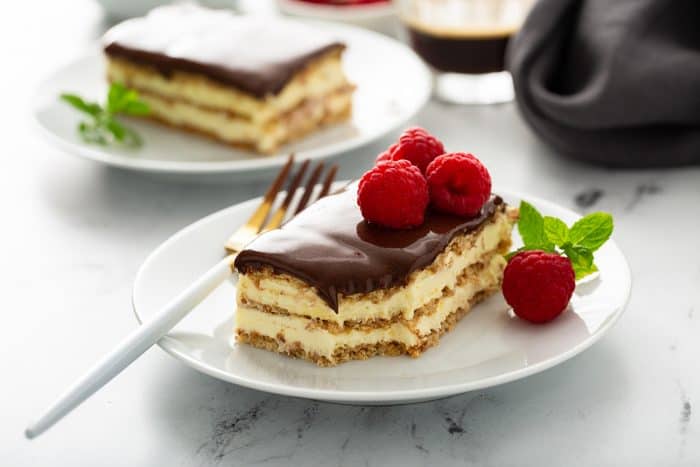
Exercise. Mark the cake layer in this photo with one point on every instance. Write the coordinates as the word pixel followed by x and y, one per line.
pixel 264 137
pixel 258 55
pixel 321 77
pixel 281 291
pixel 330 247
pixel 307 338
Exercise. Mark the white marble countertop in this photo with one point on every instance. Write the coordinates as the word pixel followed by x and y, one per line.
pixel 75 234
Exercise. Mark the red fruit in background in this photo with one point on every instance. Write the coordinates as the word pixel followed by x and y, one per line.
pixel 459 184
pixel 343 2
pixel 538 285
pixel 393 194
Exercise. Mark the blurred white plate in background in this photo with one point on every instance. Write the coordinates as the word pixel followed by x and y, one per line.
pixel 392 86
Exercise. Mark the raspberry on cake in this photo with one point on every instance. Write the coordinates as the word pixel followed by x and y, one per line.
pixel 393 194
pixel 415 145
pixel 459 183
pixel 246 81
pixel 329 287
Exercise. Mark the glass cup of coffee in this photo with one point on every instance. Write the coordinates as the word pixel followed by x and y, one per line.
pixel 464 42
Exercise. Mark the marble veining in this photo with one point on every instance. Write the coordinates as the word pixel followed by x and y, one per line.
pixel 588 198
pixel 643 191
pixel 686 411
pixel 229 427
pixel 310 414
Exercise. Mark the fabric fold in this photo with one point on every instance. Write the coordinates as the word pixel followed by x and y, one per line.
pixel 614 83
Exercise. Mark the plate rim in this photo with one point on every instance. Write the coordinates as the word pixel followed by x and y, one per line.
pixel 382 397
pixel 252 164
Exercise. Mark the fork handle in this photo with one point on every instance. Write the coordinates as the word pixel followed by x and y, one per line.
pixel 135 344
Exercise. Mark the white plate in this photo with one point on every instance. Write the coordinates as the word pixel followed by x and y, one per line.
pixel 392 85
pixel 488 347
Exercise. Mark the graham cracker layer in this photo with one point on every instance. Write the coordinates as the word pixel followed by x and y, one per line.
pixel 324 341
pixel 309 116
pixel 365 351
pixel 470 273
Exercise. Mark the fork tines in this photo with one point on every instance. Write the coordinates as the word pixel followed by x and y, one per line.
pixel 261 221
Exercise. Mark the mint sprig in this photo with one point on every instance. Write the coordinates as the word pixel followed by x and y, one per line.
pixel 552 235
pixel 102 126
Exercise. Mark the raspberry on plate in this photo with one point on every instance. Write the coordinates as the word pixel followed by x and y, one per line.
pixel 459 184
pixel 538 285
pixel 417 146
pixel 393 194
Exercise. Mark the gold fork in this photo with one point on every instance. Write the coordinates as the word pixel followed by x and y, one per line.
pixel 257 223
pixel 164 319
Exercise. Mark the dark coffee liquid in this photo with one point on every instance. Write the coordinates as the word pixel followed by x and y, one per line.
pixel 468 53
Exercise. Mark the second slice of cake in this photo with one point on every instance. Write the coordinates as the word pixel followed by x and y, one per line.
pixel 246 81
pixel 330 287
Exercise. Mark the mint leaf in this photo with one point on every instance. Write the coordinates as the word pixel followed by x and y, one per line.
pixel 91 133
pixel 116 128
pixel 103 128
pixel 136 107
pixel 592 230
pixel 552 235
pixel 121 99
pixel 90 108
pixel 117 97
pixel 556 230
pixel 531 228
pixel 581 259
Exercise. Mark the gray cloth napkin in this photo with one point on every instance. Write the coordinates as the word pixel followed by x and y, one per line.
pixel 612 82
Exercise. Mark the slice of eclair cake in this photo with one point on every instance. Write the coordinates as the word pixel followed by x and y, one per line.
pixel 244 80
pixel 330 287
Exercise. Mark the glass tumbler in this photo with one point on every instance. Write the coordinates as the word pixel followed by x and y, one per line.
pixel 464 42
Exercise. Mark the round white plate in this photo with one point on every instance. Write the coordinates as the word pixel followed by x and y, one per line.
pixel 392 85
pixel 488 347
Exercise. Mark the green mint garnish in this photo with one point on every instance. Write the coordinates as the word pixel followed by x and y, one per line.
pixel 103 127
pixel 531 228
pixel 592 231
pixel 552 235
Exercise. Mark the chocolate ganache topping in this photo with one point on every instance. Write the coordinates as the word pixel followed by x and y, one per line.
pixel 331 247
pixel 257 55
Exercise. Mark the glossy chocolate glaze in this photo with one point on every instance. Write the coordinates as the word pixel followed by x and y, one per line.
pixel 331 247
pixel 257 55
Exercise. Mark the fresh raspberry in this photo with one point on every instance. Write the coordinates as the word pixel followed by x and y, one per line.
pixel 417 146
pixel 386 155
pixel 459 184
pixel 393 194
pixel 538 285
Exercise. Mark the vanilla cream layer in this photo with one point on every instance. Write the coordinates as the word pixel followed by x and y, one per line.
pixel 284 292
pixel 292 331
pixel 265 137
pixel 319 79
